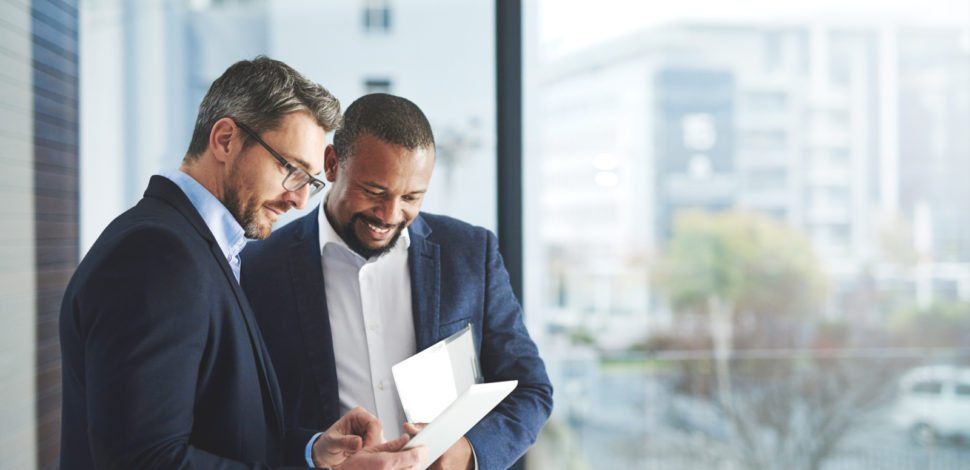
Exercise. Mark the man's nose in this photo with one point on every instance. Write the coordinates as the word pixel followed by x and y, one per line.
pixel 388 211
pixel 298 199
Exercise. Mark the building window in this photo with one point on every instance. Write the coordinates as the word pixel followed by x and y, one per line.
pixel 377 16
pixel 377 85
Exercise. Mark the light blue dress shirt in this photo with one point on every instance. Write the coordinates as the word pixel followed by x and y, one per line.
pixel 228 233
pixel 224 227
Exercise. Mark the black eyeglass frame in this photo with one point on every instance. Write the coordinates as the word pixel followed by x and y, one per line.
pixel 305 178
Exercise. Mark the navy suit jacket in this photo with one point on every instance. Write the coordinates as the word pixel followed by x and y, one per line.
pixel 457 277
pixel 164 366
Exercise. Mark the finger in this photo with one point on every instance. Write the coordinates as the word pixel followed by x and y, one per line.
pixel 367 426
pixel 413 428
pixel 348 444
pixel 393 446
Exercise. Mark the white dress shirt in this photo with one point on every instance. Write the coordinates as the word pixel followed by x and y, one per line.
pixel 371 323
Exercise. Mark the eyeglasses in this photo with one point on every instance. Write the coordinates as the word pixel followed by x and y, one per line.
pixel 296 177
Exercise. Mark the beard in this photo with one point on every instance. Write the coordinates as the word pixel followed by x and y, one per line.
pixel 247 212
pixel 350 236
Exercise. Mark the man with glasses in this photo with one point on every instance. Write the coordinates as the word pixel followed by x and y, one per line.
pixel 164 366
pixel 367 280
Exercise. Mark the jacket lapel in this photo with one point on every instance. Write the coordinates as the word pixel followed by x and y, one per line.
pixel 306 276
pixel 424 264
pixel 165 189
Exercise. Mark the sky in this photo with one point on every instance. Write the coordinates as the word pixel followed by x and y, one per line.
pixel 567 25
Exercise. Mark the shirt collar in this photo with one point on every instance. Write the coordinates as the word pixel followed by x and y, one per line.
pixel 328 235
pixel 224 227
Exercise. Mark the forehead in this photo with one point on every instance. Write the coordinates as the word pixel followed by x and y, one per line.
pixel 385 162
pixel 301 140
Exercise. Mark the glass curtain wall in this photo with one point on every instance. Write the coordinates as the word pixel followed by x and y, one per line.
pixel 747 232
pixel 147 65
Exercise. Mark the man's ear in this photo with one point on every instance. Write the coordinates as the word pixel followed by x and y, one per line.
pixel 220 139
pixel 330 163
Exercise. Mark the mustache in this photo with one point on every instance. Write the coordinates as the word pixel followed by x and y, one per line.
pixel 280 206
pixel 376 222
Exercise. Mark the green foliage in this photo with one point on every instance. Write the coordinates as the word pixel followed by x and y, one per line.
pixel 582 336
pixel 940 325
pixel 744 259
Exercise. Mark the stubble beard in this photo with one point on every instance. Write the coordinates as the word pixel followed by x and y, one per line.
pixel 247 213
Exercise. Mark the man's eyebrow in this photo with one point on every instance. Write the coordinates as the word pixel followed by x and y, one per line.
pixel 382 188
pixel 298 160
pixel 373 185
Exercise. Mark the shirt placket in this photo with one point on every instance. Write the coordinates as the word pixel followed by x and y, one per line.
pixel 381 385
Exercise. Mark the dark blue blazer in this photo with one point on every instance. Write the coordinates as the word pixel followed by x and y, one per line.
pixel 164 366
pixel 457 277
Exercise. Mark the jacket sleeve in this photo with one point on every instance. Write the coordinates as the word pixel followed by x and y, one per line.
pixel 508 353
pixel 143 316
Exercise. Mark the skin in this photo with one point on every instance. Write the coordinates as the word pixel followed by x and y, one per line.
pixel 376 192
pixel 354 443
pixel 250 182
pixel 457 457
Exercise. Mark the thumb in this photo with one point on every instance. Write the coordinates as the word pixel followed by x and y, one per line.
pixel 413 428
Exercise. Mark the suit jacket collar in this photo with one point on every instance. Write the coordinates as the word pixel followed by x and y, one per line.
pixel 224 227
pixel 162 188
pixel 424 265
pixel 310 303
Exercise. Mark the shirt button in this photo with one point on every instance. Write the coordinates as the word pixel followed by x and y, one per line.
pixel 372 326
pixel 380 385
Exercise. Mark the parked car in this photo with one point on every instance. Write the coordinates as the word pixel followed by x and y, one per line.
pixel 934 403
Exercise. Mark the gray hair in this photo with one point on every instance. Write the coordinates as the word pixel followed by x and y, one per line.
pixel 258 93
pixel 390 118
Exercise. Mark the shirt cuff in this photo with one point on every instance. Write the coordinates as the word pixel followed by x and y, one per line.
pixel 474 456
pixel 309 451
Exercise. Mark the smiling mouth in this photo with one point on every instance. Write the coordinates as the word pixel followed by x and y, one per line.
pixel 377 229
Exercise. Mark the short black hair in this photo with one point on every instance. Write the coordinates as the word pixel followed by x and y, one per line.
pixel 390 118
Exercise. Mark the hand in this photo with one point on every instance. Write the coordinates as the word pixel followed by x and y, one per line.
pixel 353 431
pixel 386 456
pixel 457 457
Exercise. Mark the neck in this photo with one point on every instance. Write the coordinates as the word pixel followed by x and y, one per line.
pixel 329 214
pixel 208 177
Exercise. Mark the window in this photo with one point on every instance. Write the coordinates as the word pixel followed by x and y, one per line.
pixel 377 16
pixel 780 249
pixel 377 85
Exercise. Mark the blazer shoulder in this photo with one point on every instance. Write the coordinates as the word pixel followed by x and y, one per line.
pixel 148 239
pixel 445 228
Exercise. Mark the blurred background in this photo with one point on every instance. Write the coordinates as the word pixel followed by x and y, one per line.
pixel 740 230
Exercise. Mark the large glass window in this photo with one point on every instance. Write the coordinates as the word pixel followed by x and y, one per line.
pixel 745 222
pixel 146 66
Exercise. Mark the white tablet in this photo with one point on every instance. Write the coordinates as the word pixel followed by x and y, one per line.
pixel 469 408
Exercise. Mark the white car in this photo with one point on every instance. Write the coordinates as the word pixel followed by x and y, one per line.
pixel 934 402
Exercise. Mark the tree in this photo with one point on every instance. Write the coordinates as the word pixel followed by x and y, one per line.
pixel 760 286
pixel 738 264
pixel 941 325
